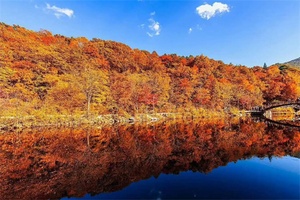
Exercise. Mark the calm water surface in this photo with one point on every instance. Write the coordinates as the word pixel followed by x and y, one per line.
pixel 239 159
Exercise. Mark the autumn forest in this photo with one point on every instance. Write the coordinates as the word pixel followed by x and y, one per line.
pixel 42 74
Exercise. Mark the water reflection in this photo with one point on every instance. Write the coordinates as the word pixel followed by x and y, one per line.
pixel 54 163
pixel 284 117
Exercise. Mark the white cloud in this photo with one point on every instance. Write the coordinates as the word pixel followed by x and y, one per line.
pixel 153 26
pixel 58 12
pixel 198 27
pixel 207 11
pixel 195 28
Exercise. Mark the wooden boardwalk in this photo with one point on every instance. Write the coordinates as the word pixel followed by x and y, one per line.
pixel 262 109
pixel 264 113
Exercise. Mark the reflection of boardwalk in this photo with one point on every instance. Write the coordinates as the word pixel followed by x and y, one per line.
pixel 277 123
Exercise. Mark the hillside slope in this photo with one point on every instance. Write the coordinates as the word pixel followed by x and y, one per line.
pixel 44 74
pixel 295 62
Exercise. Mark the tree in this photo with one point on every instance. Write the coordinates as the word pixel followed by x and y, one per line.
pixel 64 96
pixel 92 82
pixel 121 90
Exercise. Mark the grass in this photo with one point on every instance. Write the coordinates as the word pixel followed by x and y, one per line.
pixel 30 121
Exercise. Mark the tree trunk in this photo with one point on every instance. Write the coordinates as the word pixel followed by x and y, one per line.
pixel 89 98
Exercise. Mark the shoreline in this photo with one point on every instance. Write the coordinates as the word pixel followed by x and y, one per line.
pixel 11 123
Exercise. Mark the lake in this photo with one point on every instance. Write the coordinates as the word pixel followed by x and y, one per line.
pixel 203 159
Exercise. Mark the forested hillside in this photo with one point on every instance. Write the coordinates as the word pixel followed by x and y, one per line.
pixel 295 62
pixel 45 74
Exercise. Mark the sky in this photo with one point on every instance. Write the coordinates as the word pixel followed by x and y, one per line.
pixel 241 32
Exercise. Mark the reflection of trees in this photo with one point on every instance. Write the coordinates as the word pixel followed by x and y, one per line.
pixel 44 164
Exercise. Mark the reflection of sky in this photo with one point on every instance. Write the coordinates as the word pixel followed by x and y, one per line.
pixel 290 164
pixel 278 178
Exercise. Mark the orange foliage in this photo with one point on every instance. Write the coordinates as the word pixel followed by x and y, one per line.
pixel 37 60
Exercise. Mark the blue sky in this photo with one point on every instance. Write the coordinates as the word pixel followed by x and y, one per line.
pixel 234 31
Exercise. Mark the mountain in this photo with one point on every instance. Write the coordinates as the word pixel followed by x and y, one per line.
pixel 44 74
pixel 295 62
